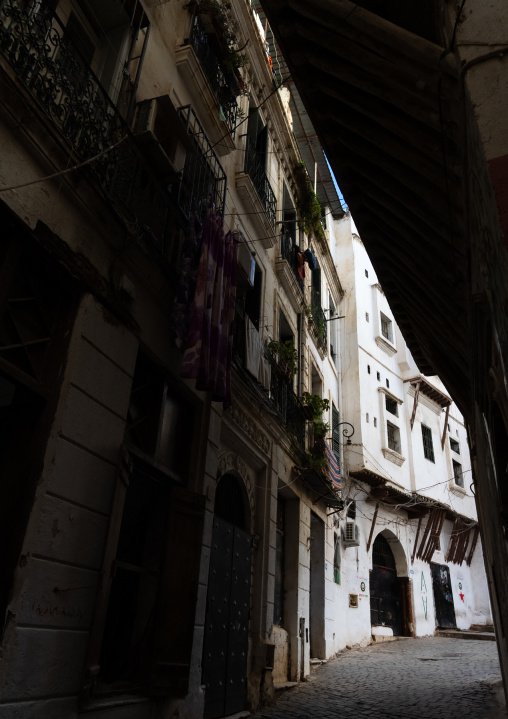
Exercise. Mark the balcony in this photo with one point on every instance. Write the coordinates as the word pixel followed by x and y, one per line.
pixel 37 48
pixel 319 327
pixel 280 398
pixel 256 192
pixel 203 178
pixel 214 88
pixel 287 272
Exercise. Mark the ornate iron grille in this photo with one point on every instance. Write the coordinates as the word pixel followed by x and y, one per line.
pixel 255 168
pixel 288 252
pixel 203 179
pixel 223 82
pixel 35 43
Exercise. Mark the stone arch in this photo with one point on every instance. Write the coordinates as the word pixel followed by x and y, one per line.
pixel 232 464
pixel 399 554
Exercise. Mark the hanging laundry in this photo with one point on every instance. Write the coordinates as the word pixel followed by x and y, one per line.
pixel 310 259
pixel 252 349
pixel 209 345
pixel 300 264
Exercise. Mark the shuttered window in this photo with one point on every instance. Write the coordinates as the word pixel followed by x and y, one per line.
pixel 336 433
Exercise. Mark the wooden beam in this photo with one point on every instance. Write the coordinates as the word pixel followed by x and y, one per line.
pixel 415 405
pixel 445 426
pixel 473 545
pixel 430 520
pixel 372 526
pixel 416 539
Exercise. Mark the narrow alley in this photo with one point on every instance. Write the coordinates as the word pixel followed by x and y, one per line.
pixel 430 678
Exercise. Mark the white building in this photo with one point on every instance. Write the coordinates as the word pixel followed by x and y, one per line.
pixel 418 563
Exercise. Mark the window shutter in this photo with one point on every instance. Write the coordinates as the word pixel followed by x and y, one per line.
pixel 178 594
pixel 336 433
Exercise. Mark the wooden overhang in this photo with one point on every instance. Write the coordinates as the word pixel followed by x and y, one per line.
pixel 387 106
pixel 415 504
pixel 321 487
pixel 430 391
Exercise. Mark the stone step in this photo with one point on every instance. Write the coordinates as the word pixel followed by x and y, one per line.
pixel 458 634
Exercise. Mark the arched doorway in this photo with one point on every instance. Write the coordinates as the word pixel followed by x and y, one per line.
pixel 388 600
pixel 227 609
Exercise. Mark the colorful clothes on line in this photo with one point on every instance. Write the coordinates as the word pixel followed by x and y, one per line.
pixel 209 345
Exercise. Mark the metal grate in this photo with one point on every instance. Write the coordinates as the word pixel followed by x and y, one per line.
pixel 382 555
pixel 392 406
pixel 457 474
pixel 203 178
pixel 255 168
pixel 428 447
pixel 393 437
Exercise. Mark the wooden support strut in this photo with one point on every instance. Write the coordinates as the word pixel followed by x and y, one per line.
pixel 416 540
pixel 372 526
pixel 445 426
pixel 415 405
pixel 425 534
pixel 473 545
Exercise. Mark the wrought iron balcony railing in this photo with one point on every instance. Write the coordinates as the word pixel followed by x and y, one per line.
pixel 222 82
pixel 34 42
pixel 203 178
pixel 288 253
pixel 255 168
pixel 281 397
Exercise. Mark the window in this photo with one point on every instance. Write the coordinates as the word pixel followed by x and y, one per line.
pixel 336 559
pixel 392 406
pixel 368 368
pixel 393 437
pixel 253 299
pixel 375 421
pixel 367 316
pixel 386 327
pixel 454 445
pixel 336 433
pixel 142 558
pixel 367 417
pixel 351 510
pixel 388 383
pixel 366 273
pixel 378 376
pixel 457 474
pixel 428 447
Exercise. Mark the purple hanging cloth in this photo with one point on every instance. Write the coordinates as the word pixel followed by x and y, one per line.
pixel 208 353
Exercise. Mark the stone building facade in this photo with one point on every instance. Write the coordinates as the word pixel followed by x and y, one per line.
pixel 418 562
pixel 160 558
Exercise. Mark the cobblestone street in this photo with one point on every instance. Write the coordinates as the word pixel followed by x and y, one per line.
pixel 430 678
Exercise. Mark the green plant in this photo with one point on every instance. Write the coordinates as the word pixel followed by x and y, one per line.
pixel 319 323
pixel 309 209
pixel 321 429
pixel 287 356
pixel 317 462
pixel 231 59
pixel 316 403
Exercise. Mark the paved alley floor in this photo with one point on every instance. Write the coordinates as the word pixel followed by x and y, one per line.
pixel 429 678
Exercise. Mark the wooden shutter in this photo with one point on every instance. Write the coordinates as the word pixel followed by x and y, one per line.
pixel 336 433
pixel 178 594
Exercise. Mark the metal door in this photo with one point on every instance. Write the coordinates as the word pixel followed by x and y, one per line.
pixel 385 594
pixel 443 597
pixel 227 621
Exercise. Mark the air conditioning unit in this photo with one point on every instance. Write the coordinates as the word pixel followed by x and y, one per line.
pixel 351 535
pixel 162 136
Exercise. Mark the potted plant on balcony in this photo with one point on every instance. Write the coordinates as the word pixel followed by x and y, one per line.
pixel 309 209
pixel 287 358
pixel 314 406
